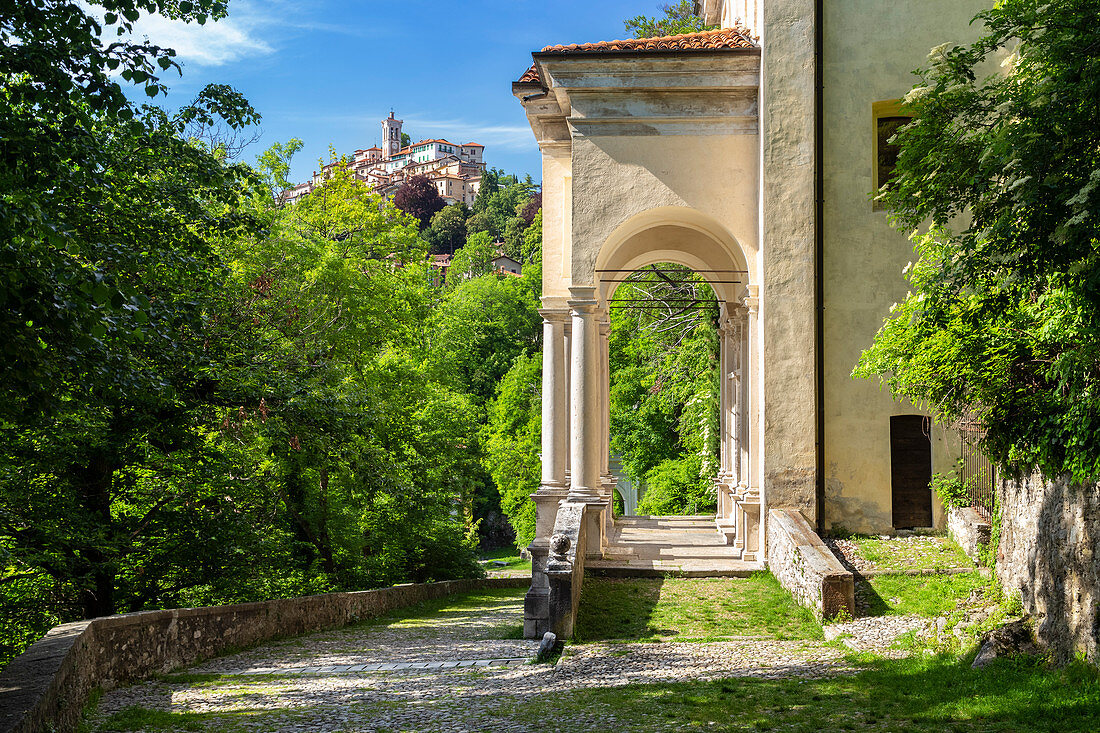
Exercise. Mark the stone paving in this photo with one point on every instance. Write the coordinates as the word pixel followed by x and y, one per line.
pixel 448 670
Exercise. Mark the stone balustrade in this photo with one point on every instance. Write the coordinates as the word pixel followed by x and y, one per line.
pixel 46 688
pixel 555 595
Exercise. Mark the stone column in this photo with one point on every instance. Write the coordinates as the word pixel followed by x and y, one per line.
pixel 568 370
pixel 725 459
pixel 735 377
pixel 584 406
pixel 607 480
pixel 555 421
pixel 750 394
pixel 555 457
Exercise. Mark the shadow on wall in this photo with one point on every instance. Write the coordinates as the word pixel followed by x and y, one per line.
pixel 1050 553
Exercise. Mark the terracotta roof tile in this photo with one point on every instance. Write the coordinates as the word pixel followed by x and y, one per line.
pixel 530 76
pixel 723 38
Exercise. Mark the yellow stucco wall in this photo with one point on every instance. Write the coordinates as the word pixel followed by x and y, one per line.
pixel 870 50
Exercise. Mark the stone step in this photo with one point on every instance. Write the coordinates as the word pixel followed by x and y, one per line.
pixel 679 546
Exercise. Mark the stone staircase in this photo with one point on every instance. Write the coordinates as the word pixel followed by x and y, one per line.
pixel 657 546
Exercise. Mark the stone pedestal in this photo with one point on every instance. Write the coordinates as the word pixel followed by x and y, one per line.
pixel 536 604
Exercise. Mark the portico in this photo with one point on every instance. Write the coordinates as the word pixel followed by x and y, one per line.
pixel 650 156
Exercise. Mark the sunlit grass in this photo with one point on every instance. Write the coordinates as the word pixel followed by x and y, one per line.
pixel 695 609
pixel 924 553
pixel 923 595
pixel 924 695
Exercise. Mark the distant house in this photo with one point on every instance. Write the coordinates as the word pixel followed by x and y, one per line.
pixel 505 265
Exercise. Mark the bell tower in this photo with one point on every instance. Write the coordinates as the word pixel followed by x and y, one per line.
pixel 391 137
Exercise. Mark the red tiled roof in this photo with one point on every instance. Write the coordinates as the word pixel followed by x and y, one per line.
pixel 530 76
pixel 472 145
pixel 723 38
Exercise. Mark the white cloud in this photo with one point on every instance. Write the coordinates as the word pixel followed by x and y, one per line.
pixel 507 137
pixel 214 44
pixel 231 39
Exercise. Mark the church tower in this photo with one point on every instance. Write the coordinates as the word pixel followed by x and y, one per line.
pixel 391 137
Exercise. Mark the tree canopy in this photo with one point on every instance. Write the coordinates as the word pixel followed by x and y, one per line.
pixel 193 370
pixel 419 198
pixel 664 389
pixel 999 180
pixel 674 20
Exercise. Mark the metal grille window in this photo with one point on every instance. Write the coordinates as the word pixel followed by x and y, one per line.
pixel 976 471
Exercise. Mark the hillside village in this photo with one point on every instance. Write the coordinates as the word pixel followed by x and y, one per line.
pixel 456 170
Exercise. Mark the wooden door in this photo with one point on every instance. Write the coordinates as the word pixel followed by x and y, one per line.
pixel 911 471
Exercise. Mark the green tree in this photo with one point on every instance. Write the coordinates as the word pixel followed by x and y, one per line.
pixel 532 241
pixel 419 198
pixel 481 327
pixel 61 104
pixel 997 179
pixel 675 19
pixel 274 166
pixel 474 260
pixel 447 232
pixel 664 389
pixel 84 480
pixel 512 439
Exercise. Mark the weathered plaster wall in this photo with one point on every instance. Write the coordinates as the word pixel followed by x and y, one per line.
pixel 45 688
pixel 870 50
pixel 617 178
pixel 787 360
pixel 1049 553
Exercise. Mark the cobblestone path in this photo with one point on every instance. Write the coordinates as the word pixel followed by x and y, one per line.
pixel 443 668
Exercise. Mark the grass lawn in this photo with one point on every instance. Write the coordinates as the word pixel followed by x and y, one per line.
pixel 912 553
pixel 925 695
pixel 695 609
pixel 923 595
pixel 507 555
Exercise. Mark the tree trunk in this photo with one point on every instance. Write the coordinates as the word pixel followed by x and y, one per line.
pixel 98 593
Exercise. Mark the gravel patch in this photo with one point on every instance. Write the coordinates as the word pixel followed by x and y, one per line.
pixel 418 676
pixel 875 633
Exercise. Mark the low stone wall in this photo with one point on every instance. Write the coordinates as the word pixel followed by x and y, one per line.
pixel 806 567
pixel 970 530
pixel 1049 553
pixel 45 689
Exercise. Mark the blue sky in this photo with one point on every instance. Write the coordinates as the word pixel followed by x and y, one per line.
pixel 327 72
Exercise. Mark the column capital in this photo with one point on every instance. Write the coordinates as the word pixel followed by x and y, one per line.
pixel 582 298
pixel 554 315
pixel 583 307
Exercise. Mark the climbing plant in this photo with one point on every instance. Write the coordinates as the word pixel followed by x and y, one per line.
pixel 998 180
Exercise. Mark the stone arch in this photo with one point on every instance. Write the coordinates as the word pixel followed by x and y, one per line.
pixel 680 235
pixel 687 237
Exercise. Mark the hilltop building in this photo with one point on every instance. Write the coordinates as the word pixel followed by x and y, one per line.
pixel 454 169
